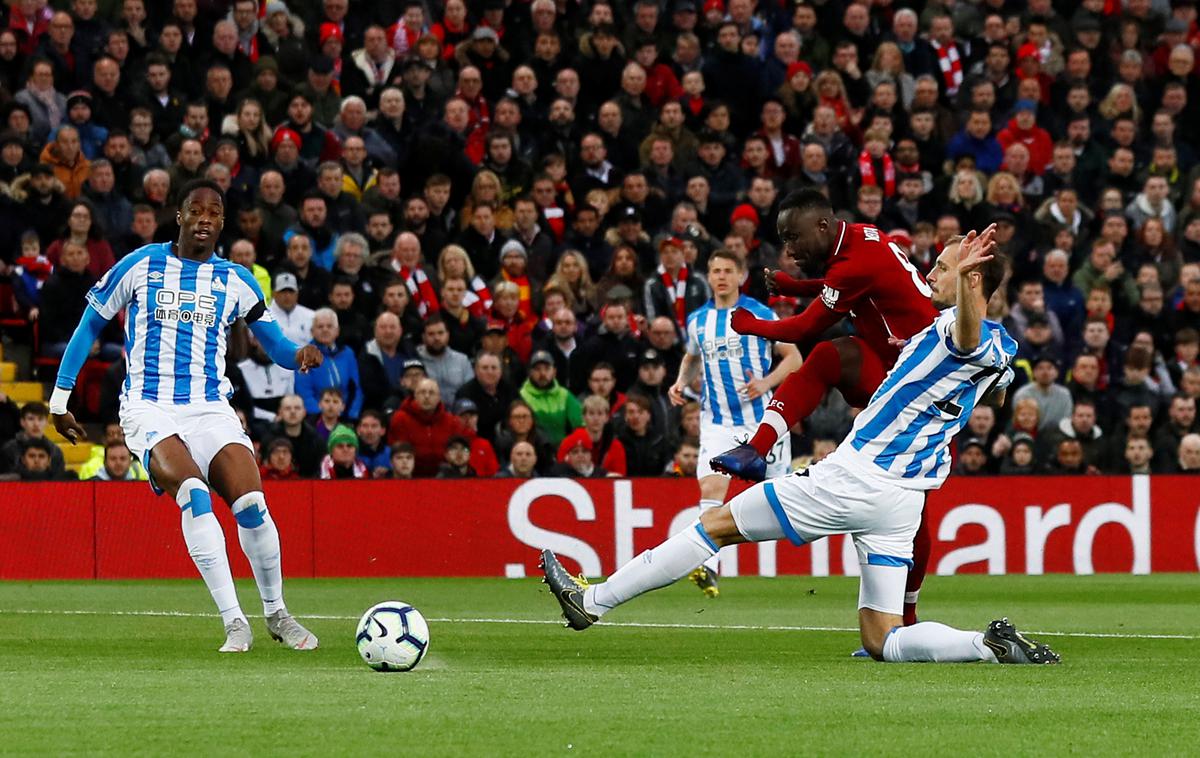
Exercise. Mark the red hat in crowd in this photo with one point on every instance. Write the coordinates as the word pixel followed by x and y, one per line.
pixel 673 241
pixel 328 30
pixel 572 441
pixel 1028 50
pixel 797 67
pixel 744 212
pixel 284 135
pixel 714 5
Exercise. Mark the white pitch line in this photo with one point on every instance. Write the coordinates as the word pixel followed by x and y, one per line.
pixel 623 624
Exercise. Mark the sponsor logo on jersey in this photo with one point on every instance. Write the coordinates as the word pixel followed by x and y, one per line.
pixel 830 296
pixel 729 348
pixel 156 276
pixel 218 286
pixel 871 233
pixel 169 306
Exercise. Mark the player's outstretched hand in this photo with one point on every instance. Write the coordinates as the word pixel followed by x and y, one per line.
pixel 309 357
pixel 743 321
pixel 772 280
pixel 976 249
pixel 68 427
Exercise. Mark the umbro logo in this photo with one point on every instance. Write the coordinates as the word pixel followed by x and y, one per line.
pixel 218 286
pixel 156 276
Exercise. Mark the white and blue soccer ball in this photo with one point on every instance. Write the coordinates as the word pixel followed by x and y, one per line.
pixel 392 636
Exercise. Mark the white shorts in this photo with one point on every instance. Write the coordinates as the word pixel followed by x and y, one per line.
pixel 717 438
pixel 204 427
pixel 828 499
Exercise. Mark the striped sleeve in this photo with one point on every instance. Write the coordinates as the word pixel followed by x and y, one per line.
pixel 248 295
pixel 945 326
pixel 693 336
pixel 112 293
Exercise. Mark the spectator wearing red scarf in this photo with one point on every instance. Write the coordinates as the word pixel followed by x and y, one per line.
pixel 513 262
pixel 506 311
pixel 453 28
pixel 875 167
pixel 674 290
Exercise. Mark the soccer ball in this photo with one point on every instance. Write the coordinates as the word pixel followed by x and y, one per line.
pixel 392 636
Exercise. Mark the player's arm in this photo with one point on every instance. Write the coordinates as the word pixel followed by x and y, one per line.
pixel 77 352
pixel 802 328
pixel 968 319
pixel 689 368
pixel 239 342
pixel 280 349
pixel 790 361
pixel 782 283
pixel 252 308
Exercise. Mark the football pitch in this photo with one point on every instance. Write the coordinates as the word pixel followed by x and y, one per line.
pixel 132 667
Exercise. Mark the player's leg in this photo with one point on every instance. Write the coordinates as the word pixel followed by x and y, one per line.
pixel 712 495
pixel 172 470
pixel 234 475
pixel 922 545
pixel 831 364
pixel 884 544
pixel 583 604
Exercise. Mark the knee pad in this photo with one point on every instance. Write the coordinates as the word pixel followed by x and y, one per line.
pixel 250 510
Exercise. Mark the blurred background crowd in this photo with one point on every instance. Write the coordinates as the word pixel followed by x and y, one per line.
pixel 494 216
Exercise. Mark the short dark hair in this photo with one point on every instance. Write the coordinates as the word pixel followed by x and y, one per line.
pixel 35 408
pixel 806 200
pixel 198 184
pixel 332 391
pixel 993 271
pixel 727 255
pixel 433 319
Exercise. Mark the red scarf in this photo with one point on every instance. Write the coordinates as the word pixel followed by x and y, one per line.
pixel 478 301
pixel 556 219
pixel 866 169
pixel 951 66
pixel 525 305
pixel 403 39
pixel 420 290
pixel 676 291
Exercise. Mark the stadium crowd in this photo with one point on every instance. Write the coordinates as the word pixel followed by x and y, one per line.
pixel 493 216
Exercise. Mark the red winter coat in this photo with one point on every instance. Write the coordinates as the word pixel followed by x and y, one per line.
pixel 1037 139
pixel 428 432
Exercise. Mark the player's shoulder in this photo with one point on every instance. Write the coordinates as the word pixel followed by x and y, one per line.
pixel 758 308
pixel 699 313
pixel 863 238
pixel 1008 345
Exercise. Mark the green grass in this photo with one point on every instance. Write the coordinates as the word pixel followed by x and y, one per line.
pixel 107 683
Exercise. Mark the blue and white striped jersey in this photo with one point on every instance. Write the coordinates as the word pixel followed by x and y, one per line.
pixel 179 314
pixel 727 357
pixel 904 433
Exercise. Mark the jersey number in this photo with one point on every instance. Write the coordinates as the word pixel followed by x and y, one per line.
pixel 918 280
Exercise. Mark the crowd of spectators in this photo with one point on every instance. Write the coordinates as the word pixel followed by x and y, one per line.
pixel 493 216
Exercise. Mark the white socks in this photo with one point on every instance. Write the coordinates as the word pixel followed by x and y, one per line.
pixel 776 421
pixel 712 564
pixel 260 543
pixel 670 561
pixel 206 545
pixel 930 641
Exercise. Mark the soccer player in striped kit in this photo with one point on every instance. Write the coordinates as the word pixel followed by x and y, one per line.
pixel 872 487
pixel 736 385
pixel 181 302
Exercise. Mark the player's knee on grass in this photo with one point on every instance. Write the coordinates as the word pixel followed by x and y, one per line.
pixel 720 527
pixel 874 627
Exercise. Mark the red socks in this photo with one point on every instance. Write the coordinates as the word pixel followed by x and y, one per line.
pixel 799 395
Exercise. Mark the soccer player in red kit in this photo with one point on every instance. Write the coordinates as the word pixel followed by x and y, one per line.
pixel 867 278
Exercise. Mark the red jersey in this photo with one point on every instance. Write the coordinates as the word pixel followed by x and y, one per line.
pixel 869 279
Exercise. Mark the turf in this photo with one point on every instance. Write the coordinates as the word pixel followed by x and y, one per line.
pixel 124 677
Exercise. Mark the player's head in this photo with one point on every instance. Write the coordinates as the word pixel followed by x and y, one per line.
pixel 201 215
pixel 806 226
pixel 943 277
pixel 725 271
